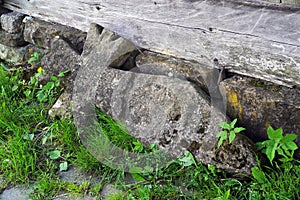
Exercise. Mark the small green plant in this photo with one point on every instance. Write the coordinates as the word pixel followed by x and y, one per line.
pixel 259 175
pixel 49 90
pixel 34 59
pixel 56 154
pixel 225 196
pixel 43 93
pixel 187 160
pixel 229 132
pixel 277 143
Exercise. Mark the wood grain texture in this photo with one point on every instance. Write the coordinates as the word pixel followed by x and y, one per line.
pixel 287 2
pixel 248 37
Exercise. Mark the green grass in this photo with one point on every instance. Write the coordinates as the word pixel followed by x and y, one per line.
pixel 27 135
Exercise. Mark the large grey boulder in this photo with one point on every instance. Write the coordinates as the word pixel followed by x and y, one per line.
pixel 206 79
pixel 171 113
pixel 254 102
pixel 156 108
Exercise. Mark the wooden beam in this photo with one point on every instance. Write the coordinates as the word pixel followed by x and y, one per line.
pixel 287 2
pixel 247 37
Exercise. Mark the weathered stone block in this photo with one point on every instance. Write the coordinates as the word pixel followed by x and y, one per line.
pixel 171 113
pixel 14 54
pixel 61 57
pixel 159 64
pixel 156 109
pixel 202 77
pixel 257 104
pixel 41 33
pixel 12 39
pixel 12 22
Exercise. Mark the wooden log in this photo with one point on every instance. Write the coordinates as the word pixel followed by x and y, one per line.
pixel 247 37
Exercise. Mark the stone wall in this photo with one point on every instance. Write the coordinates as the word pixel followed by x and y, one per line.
pixel 175 92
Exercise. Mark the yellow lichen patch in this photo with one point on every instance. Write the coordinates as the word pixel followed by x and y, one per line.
pixel 235 103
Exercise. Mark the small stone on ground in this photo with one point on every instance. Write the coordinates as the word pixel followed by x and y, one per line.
pixel 18 193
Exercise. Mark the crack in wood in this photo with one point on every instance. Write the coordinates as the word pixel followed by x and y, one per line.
pixel 204 30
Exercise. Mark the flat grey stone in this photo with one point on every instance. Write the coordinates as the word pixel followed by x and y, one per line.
pixel 67 196
pixel 77 176
pixel 12 22
pixel 18 193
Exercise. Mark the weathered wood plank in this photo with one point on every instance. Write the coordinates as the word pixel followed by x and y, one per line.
pixel 246 37
pixel 288 2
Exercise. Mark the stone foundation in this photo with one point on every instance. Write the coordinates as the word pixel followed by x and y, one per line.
pixel 168 84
